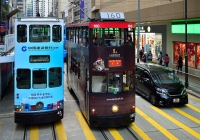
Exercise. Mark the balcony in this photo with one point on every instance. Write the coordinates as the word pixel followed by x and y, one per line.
pixel 95 5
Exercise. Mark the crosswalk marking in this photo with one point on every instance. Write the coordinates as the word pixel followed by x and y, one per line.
pixel 155 124
pixel 139 132
pixel 192 107
pixel 85 127
pixel 187 115
pixel 60 131
pixel 187 129
pixel 34 132
pixel 115 134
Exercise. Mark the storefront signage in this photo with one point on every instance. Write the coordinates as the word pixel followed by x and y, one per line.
pixel 180 29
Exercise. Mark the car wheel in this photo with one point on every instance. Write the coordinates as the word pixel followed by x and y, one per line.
pixel 153 99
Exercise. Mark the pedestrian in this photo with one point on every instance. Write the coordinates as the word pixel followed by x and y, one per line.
pixel 159 57
pixel 180 63
pixel 144 58
pixel 161 61
pixel 149 56
pixel 166 60
pixel 129 41
pixel 141 54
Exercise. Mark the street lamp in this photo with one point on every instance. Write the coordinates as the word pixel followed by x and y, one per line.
pixel 186 48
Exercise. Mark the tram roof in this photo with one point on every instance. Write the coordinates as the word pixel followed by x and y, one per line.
pixel 105 24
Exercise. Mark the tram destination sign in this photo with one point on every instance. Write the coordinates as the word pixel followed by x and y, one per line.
pixel 39 59
pixel 113 63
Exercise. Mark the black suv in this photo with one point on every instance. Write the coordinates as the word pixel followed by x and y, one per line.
pixel 159 85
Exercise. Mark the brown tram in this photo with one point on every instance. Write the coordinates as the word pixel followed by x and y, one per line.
pixel 101 69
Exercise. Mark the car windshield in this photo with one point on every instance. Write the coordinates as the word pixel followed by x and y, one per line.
pixel 164 77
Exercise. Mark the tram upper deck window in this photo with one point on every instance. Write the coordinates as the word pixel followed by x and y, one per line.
pixel 57 33
pixel 97 37
pixel 114 36
pixel 55 77
pixel 39 78
pixel 39 33
pixel 23 78
pixel 21 33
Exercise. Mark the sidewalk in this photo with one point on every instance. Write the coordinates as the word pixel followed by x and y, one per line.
pixel 7 102
pixel 193 84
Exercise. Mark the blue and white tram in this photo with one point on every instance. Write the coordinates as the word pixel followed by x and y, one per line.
pixel 39 70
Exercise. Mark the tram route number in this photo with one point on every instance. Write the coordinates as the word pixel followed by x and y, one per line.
pixel 111 15
pixel 59 113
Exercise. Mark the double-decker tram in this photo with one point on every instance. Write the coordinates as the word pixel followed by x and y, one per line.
pixel 39 70
pixel 101 69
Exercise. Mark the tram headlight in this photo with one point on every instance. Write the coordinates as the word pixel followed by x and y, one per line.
pixel 94 112
pixel 115 108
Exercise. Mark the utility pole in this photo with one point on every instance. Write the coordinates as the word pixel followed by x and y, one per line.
pixel 138 31
pixel 38 14
pixel 186 48
pixel 0 10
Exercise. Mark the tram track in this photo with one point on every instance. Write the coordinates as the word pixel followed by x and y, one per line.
pixel 103 133
pixel 129 130
pixel 130 134
pixel 50 128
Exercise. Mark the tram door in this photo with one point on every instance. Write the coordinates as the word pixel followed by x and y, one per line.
pixel 87 94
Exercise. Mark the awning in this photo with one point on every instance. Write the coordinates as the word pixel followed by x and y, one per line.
pixel 13 12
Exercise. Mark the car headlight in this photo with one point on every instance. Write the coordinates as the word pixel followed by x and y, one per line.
pixel 161 91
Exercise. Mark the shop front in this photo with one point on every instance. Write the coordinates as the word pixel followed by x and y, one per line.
pixel 152 38
pixel 193 43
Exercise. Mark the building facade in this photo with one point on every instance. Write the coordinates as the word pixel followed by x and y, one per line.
pixel 162 26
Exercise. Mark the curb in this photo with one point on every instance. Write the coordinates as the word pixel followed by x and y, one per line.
pixel 9 115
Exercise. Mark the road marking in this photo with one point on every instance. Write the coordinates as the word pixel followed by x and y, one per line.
pixel 187 129
pixel 60 131
pixel 1 125
pixel 139 132
pixel 115 134
pixel 88 133
pixel 65 99
pixel 193 97
pixel 158 126
pixel 34 132
pixel 187 115
pixel 194 108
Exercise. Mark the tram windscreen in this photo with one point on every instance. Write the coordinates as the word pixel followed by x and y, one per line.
pixel 39 79
pixel 113 83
